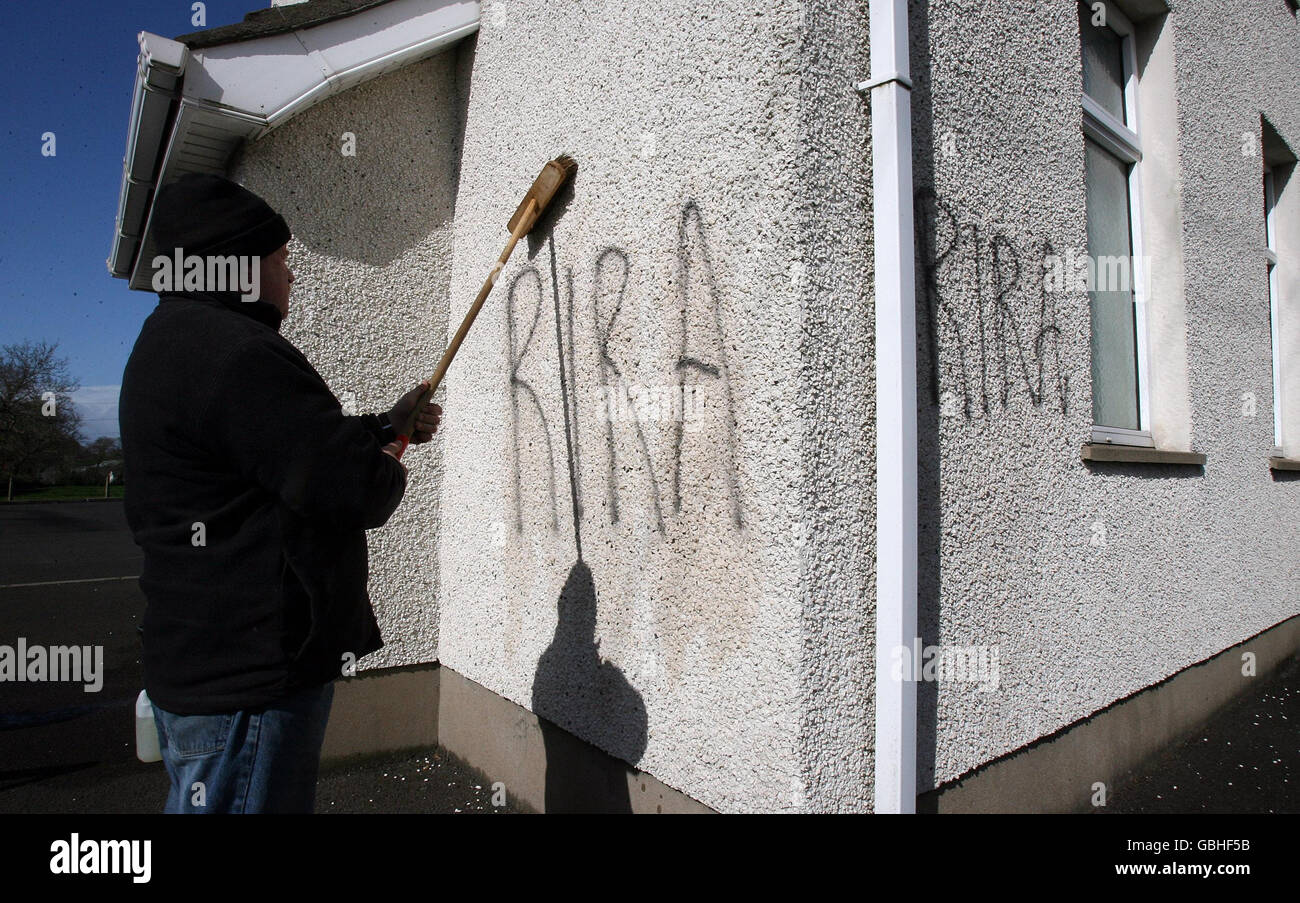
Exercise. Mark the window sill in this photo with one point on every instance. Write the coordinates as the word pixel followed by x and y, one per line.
pixel 1134 454
pixel 1276 463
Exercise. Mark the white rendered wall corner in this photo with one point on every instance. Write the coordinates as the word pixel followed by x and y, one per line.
pixel 623 496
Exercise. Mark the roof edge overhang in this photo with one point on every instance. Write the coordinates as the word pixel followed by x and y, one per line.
pixel 193 106
pixel 153 102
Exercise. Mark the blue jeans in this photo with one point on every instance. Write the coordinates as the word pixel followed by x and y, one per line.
pixel 263 760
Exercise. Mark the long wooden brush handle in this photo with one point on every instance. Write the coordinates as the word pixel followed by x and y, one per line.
pixel 521 229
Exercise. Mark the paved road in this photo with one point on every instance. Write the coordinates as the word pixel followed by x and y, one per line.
pixel 1245 759
pixel 68 751
pixel 64 541
pixel 61 565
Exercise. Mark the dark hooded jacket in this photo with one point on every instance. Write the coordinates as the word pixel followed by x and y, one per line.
pixel 249 491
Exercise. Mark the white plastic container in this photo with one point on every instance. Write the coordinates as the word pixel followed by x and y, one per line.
pixel 147 747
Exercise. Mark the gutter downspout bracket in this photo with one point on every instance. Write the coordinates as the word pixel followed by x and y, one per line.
pixel 900 77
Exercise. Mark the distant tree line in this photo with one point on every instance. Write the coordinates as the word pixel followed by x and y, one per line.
pixel 40 444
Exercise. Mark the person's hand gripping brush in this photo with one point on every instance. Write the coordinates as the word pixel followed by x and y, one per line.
pixel 414 417
pixel 413 412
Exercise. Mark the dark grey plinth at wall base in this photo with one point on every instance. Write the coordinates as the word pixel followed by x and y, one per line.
pixel 1133 454
pixel 549 769
pixel 541 765
pixel 383 711
pixel 1059 773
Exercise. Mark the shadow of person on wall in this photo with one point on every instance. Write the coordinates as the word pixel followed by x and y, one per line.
pixel 577 694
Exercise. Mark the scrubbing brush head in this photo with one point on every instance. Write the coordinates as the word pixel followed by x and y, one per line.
pixel 552 178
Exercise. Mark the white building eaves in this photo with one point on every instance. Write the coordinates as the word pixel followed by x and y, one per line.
pixel 197 98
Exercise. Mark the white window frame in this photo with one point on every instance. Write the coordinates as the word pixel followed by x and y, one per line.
pixel 1270 256
pixel 1123 139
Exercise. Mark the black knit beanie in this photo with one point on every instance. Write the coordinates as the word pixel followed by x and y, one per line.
pixel 206 214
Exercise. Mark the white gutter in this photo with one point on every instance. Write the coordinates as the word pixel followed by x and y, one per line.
pixel 220 96
pixel 157 85
pixel 276 77
pixel 896 482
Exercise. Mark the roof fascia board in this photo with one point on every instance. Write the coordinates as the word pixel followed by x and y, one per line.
pixel 247 88
pixel 159 67
pixel 236 126
pixel 162 53
pixel 279 76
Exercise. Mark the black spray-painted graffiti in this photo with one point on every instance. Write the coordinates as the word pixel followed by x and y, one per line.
pixel 519 385
pixel 692 245
pixel 603 289
pixel 611 273
pixel 979 311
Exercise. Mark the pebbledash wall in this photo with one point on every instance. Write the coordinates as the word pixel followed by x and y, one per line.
pixel 691 587
pixel 1092 581
pixel 677 642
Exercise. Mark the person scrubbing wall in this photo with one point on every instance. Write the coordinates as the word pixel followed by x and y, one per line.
pixel 250 494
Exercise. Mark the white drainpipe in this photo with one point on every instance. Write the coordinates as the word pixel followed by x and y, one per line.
pixel 896 485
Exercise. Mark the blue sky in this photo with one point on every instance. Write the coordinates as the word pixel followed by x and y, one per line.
pixel 68 68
